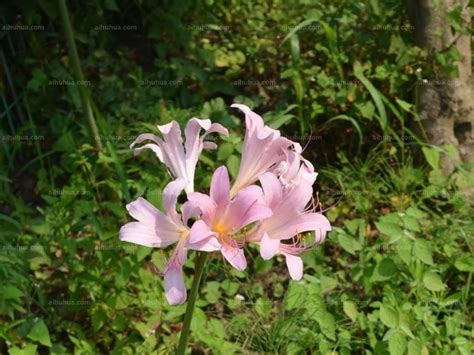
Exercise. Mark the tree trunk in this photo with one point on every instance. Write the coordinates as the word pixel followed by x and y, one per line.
pixel 445 105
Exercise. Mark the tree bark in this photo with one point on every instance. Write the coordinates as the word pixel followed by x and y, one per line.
pixel 446 105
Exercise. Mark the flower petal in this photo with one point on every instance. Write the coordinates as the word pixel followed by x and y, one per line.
pixel 245 208
pixel 235 256
pixel 173 150
pixel 295 266
pixel 156 149
pixel 175 289
pixel 268 247
pixel 144 234
pixel 154 229
pixel 300 224
pixel 220 188
pixel 170 198
pixel 205 204
pixel 189 210
pixel 142 210
pixel 263 147
pixel 209 244
pixel 199 232
pixel 272 189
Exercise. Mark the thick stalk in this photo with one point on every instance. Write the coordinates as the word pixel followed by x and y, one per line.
pixel 199 268
pixel 76 66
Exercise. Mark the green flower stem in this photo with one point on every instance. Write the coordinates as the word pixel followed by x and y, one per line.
pixel 76 66
pixel 199 268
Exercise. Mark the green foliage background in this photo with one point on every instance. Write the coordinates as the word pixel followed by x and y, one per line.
pixel 340 77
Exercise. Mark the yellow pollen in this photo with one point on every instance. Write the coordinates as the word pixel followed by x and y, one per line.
pixel 220 228
pixel 184 233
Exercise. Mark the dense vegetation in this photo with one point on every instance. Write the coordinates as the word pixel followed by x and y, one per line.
pixel 340 77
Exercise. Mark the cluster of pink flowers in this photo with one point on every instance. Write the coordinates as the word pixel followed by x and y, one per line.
pixel 277 215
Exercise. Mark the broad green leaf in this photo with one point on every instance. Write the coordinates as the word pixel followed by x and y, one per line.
pixel 263 307
pixel 296 295
pixel 465 262
pixel 99 318
pixel 328 284
pixel 350 309
pixel 411 223
pixel 423 251
pixel 29 349
pixel 367 109
pixel 225 150
pixel 348 243
pixel 233 165
pixel 391 229
pixel 39 332
pixel 11 292
pixel 384 270
pixel 404 250
pixel 328 325
pixel 414 347
pixel 389 316
pixel 143 252
pixel 397 344
pixel 415 212
pixel 433 282
pixel 432 156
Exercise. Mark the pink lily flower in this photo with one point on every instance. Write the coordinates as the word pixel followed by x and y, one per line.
pixel 180 160
pixel 295 170
pixel 290 218
pixel 224 217
pixel 263 147
pixel 158 230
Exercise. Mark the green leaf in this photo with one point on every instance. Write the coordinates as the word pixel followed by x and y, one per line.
pixel 391 229
pixel 415 212
pixel 296 295
pixel 411 223
pixel 432 156
pixel 225 150
pixel 465 263
pixel 389 316
pixel 414 347
pixel 374 93
pixel 348 243
pixel 29 349
pixel 40 333
pixel 143 252
pixel 263 307
pixel 384 270
pixel 328 283
pixel 349 119
pixel 397 344
pixel 10 292
pixel 367 109
pixel 423 251
pixel 350 309
pixel 297 28
pixel 404 248
pixel 99 318
pixel 295 49
pixel 433 282
pixel 387 267
pixel 328 325
pixel 233 165
pixel 404 105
